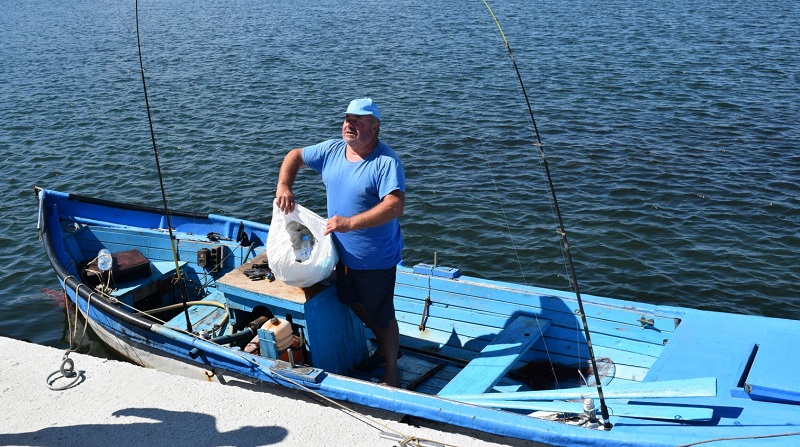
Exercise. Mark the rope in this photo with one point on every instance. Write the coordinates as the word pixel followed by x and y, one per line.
pixel 358 416
pixel 354 414
pixel 408 441
pixel 67 369
pixel 68 366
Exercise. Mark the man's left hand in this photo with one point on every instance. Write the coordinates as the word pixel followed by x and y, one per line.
pixel 339 224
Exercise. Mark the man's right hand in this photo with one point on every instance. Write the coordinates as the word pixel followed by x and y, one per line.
pixel 285 199
pixel 291 164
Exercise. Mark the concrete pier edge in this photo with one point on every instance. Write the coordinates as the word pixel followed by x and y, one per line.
pixel 119 403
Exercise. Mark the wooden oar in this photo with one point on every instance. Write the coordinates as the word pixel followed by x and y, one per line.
pixel 661 412
pixel 703 387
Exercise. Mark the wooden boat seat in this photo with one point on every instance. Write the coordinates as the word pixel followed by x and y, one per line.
pixel 133 291
pixel 497 358
pixel 767 383
pixel 127 265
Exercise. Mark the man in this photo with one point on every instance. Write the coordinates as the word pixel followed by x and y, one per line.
pixel 365 185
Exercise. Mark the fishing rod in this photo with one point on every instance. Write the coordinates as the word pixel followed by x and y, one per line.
pixel 178 277
pixel 561 230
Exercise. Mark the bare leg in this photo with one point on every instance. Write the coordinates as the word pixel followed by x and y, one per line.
pixel 388 343
pixel 389 340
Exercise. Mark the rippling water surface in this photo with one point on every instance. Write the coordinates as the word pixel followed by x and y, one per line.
pixel 672 130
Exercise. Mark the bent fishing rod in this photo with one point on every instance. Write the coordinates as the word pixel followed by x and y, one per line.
pixel 178 277
pixel 560 230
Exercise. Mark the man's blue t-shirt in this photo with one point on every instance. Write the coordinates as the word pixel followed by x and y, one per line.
pixel 354 187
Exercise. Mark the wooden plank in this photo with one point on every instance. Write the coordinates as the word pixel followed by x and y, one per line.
pixel 443 317
pixel 700 387
pixel 132 237
pixel 658 411
pixel 130 292
pixel 477 336
pixel 561 311
pixel 154 245
pixel 158 270
pixel 90 247
pixel 462 308
pixel 236 281
pixel 606 333
pixel 580 350
pixel 771 377
pixel 435 348
pixel 523 295
pixel 476 330
pixel 520 295
pixel 497 358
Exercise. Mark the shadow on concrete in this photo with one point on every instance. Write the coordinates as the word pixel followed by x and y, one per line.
pixel 170 429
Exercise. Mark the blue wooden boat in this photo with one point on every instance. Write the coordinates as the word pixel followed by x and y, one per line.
pixel 478 353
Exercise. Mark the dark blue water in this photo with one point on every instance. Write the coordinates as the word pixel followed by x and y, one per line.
pixel 672 130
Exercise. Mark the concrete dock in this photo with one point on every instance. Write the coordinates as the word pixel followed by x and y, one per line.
pixel 118 404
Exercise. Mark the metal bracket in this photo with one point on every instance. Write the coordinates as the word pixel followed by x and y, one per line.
pixel 305 373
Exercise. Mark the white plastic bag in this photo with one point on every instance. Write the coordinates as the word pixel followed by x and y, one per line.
pixel 284 246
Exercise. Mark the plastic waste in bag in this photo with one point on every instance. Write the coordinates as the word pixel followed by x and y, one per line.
pixel 306 246
pixel 302 240
pixel 298 252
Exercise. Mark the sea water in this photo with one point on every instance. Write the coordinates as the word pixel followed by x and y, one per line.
pixel 672 131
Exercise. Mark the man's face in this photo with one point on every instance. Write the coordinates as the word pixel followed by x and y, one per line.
pixel 359 130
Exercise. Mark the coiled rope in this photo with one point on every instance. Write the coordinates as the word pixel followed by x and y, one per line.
pixel 67 369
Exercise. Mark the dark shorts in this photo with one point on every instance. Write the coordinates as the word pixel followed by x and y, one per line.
pixel 372 288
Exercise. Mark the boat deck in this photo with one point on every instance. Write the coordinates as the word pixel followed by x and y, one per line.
pixel 672 375
pixel 443 318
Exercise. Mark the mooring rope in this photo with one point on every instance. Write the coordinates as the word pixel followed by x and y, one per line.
pixel 67 369
pixel 407 440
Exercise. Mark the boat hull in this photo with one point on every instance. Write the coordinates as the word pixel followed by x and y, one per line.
pixel 444 318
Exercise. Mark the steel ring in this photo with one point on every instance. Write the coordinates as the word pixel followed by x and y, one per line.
pixel 61 388
pixel 66 371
